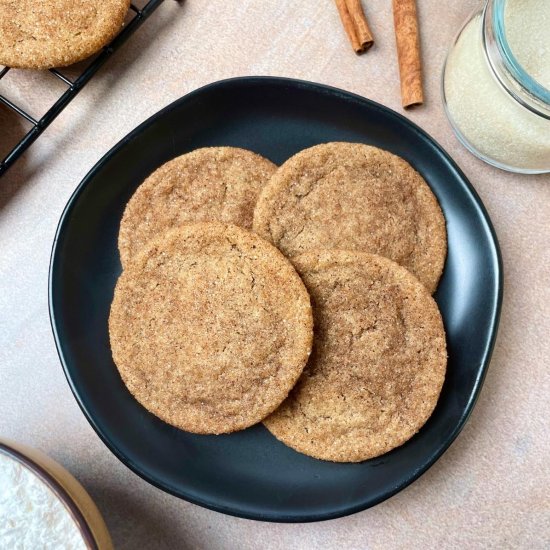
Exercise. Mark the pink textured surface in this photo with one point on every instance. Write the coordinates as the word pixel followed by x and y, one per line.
pixel 489 490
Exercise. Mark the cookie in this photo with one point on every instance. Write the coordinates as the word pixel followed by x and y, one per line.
pixel 210 327
pixel 355 197
pixel 210 184
pixel 56 33
pixel 378 361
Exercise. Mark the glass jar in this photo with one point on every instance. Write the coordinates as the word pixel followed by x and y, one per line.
pixel 498 107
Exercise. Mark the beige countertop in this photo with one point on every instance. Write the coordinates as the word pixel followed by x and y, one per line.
pixel 489 490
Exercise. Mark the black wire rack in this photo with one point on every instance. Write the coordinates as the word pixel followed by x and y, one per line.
pixel 73 87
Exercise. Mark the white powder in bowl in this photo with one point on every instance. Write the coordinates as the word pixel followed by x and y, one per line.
pixel 31 515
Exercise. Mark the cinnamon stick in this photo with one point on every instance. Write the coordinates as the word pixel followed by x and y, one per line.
pixel 361 24
pixel 408 52
pixel 355 24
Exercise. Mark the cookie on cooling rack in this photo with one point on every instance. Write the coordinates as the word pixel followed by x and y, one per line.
pixel 56 33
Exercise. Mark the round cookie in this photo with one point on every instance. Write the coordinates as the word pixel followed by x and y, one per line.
pixel 56 33
pixel 209 184
pixel 378 361
pixel 210 327
pixel 354 197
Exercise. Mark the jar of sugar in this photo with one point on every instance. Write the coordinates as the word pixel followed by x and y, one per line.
pixel 496 85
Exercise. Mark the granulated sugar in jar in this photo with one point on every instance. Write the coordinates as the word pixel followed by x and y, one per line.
pixel 496 85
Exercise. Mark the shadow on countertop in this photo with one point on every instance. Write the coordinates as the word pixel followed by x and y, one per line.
pixel 129 519
pixel 22 87
pixel 12 130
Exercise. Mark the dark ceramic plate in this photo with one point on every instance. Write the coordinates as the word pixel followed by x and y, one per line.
pixel 249 473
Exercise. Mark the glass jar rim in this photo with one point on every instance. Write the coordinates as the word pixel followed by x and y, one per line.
pixel 535 96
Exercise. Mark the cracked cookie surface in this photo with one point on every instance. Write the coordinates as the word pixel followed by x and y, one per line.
pixel 56 33
pixel 209 184
pixel 210 327
pixel 354 197
pixel 378 361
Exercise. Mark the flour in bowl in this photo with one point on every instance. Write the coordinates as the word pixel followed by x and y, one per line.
pixel 31 515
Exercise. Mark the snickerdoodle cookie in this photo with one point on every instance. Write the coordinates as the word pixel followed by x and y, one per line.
pixel 378 360
pixel 210 327
pixel 209 184
pixel 56 33
pixel 355 197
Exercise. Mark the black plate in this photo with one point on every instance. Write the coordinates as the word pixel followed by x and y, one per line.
pixel 250 474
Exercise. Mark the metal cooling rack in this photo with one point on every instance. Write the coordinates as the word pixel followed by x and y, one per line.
pixel 73 86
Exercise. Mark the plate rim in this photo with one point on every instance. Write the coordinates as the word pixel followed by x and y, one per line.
pixel 326 90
